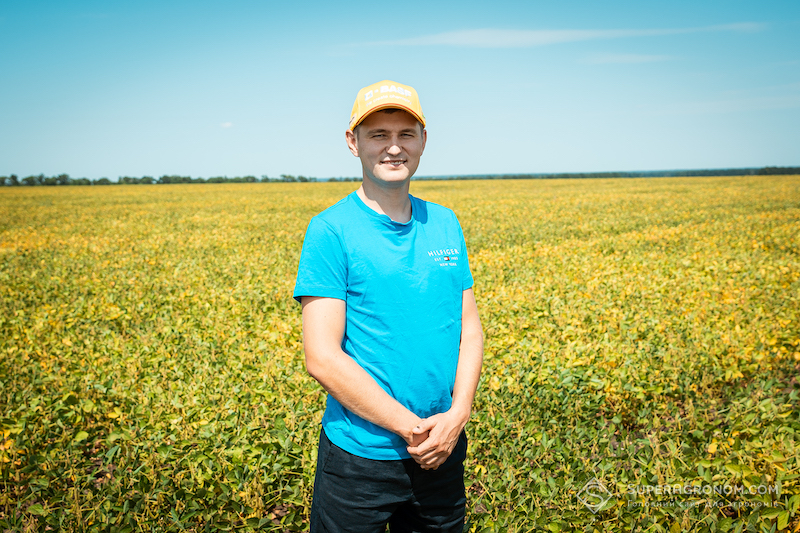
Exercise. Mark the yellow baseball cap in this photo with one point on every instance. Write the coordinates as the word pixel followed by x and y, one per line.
pixel 383 95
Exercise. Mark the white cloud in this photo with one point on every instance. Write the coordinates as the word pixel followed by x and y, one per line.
pixel 627 58
pixel 497 38
pixel 226 125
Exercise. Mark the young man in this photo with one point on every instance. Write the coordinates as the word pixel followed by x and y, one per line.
pixel 391 331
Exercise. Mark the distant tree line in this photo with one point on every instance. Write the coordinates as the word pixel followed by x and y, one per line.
pixel 65 179
pixel 763 171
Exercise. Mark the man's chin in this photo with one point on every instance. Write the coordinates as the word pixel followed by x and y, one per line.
pixel 392 178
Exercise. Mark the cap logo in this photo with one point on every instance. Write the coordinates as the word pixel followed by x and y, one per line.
pixel 393 89
pixel 387 89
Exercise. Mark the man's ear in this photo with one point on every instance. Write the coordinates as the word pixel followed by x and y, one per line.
pixel 424 138
pixel 350 137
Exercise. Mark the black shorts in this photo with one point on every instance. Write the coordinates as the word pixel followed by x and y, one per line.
pixel 355 494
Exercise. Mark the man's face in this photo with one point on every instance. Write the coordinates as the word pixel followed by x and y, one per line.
pixel 389 146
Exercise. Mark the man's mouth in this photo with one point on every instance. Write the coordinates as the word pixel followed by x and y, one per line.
pixel 394 162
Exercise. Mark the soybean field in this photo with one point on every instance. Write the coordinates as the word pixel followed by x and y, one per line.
pixel 641 366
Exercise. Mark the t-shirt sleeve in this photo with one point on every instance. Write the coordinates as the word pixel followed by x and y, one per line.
pixel 323 266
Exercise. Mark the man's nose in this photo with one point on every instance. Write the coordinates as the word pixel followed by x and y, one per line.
pixel 394 148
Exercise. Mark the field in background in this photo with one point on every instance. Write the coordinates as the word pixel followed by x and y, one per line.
pixel 640 332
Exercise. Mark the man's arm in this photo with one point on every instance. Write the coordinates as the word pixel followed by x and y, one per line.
pixel 445 428
pixel 342 377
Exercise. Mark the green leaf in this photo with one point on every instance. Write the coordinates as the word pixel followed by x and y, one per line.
pixel 81 436
pixel 794 503
pixel 37 509
pixel 734 469
pixel 783 520
pixel 70 399
pixel 110 453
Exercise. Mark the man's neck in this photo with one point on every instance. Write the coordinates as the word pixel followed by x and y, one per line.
pixel 393 202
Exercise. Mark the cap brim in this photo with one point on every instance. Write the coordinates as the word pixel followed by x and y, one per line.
pixel 391 105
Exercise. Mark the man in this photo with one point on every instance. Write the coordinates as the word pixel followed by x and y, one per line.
pixel 391 331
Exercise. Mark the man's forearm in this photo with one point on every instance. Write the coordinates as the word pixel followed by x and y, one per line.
pixel 342 377
pixel 359 393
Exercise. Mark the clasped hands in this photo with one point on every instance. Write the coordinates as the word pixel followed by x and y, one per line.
pixel 433 439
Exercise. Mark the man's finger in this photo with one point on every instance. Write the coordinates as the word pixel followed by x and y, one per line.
pixel 424 446
pixel 432 465
pixel 425 425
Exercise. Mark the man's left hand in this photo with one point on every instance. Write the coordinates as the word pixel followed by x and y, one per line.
pixel 444 430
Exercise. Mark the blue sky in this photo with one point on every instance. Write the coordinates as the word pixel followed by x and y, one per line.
pixel 234 88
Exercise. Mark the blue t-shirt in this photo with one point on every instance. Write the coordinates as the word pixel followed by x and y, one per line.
pixel 403 285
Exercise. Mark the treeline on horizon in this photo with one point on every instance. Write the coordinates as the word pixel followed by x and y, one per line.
pixel 65 179
pixel 763 171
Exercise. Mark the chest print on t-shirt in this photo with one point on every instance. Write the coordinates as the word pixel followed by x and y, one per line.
pixel 445 257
